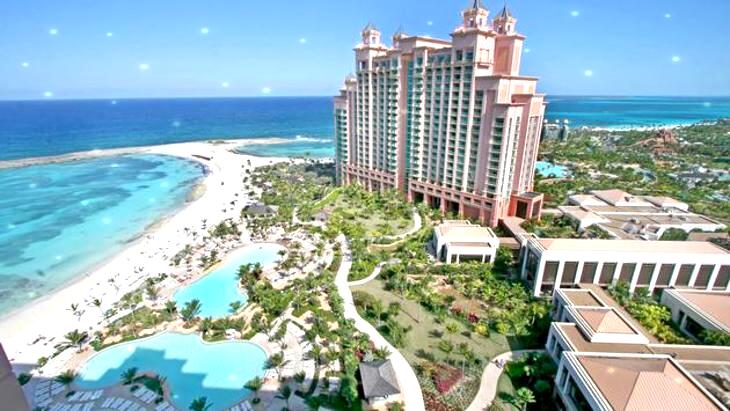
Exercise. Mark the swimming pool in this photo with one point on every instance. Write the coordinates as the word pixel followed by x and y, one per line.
pixel 192 367
pixel 219 288
pixel 548 169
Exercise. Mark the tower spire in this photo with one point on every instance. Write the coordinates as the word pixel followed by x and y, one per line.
pixel 478 5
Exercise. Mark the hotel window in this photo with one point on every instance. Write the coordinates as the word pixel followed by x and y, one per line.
pixel 627 271
pixel 589 271
pixel 722 278
pixel 645 274
pixel 550 272
pixel 685 272
pixel 665 275
pixel 703 276
pixel 607 273
pixel 569 270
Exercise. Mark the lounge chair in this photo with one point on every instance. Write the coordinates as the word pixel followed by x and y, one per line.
pixel 107 402
pixel 126 404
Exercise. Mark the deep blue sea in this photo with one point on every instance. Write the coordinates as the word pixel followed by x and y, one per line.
pixel 42 128
pixel 57 221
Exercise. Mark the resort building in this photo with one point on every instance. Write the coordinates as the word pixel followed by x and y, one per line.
pixel 379 384
pixel 609 362
pixel 695 310
pixel 10 392
pixel 625 216
pixel 449 123
pixel 456 241
pixel 550 263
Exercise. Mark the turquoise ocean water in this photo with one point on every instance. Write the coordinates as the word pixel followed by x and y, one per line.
pixel 58 221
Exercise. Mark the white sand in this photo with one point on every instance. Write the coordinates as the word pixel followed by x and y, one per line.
pixel 50 317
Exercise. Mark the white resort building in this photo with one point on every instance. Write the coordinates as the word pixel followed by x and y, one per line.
pixel 696 310
pixel 625 216
pixel 457 240
pixel 552 263
pixel 607 361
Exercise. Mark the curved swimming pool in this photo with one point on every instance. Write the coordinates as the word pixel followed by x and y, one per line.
pixel 219 288
pixel 192 367
pixel 548 169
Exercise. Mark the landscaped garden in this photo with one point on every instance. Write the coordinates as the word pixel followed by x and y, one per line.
pixel 557 226
pixel 604 160
pixel 652 315
pixel 450 320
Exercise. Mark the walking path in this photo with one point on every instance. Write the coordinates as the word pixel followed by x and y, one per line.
pixel 410 388
pixel 490 377
pixel 376 272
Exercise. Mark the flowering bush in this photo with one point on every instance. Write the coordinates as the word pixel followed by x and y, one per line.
pixel 446 377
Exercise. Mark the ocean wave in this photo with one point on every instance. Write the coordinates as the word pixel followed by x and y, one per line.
pixel 312 139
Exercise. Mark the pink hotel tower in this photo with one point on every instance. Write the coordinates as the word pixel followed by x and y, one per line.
pixel 449 123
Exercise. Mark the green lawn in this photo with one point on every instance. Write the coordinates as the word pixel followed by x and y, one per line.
pixel 426 333
pixel 505 389
pixel 375 222
pixel 422 344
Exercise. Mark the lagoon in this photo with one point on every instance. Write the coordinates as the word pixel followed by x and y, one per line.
pixel 219 288
pixel 192 367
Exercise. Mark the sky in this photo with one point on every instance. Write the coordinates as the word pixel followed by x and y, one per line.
pixel 174 48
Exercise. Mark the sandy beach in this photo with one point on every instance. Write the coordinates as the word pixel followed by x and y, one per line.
pixel 32 331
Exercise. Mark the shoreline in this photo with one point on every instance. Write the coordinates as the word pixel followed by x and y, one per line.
pixel 32 330
pixel 122 151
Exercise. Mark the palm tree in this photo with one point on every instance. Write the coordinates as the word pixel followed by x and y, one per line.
pixel 522 397
pixel 206 325
pixel 191 310
pixel 200 404
pixel 66 378
pixel 255 385
pixel 97 303
pixel 315 353
pixel 129 375
pixel 75 310
pixel 466 353
pixel 170 307
pixel 452 328
pixel 74 338
pixel 152 291
pixel 378 311
pixel 276 361
pixel 284 393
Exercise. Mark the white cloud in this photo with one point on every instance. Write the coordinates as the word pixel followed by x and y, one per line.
pixel 676 59
pixel 588 73
pixel 48 94
pixel 575 13
pixel 53 32
pixel 204 30
pixel 144 66
pixel 266 90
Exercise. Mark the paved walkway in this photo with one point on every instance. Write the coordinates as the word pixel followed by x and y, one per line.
pixel 376 272
pixel 410 388
pixel 490 377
